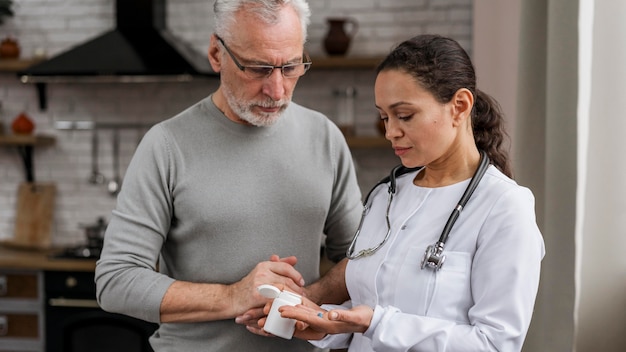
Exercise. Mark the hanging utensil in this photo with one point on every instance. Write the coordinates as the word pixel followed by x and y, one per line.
pixel 96 177
pixel 115 183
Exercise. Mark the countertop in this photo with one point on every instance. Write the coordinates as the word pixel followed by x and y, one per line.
pixel 29 259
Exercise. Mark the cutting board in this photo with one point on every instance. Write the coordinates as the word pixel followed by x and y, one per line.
pixel 34 215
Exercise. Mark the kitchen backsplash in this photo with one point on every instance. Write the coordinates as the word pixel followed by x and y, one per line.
pixel 56 25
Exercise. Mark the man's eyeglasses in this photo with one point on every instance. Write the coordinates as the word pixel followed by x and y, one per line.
pixel 263 71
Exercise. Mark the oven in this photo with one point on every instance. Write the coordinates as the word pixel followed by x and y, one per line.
pixel 75 323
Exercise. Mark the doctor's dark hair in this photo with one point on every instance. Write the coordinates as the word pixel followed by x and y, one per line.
pixel 442 67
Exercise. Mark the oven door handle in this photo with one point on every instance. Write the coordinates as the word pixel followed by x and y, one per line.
pixel 73 303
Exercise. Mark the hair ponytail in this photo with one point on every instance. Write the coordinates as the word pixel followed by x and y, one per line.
pixel 489 131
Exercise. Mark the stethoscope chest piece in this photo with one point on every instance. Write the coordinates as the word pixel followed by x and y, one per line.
pixel 433 257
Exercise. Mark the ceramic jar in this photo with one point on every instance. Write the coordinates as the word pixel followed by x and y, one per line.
pixel 22 124
pixel 9 48
pixel 339 35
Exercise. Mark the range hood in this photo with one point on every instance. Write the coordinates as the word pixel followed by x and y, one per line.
pixel 138 49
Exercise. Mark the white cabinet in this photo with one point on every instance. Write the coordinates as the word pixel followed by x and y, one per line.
pixel 21 310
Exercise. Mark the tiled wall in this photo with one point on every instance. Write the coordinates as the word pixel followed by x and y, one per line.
pixel 56 25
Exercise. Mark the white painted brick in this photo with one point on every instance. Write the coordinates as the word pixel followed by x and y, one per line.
pixel 354 5
pixel 57 25
pixel 404 4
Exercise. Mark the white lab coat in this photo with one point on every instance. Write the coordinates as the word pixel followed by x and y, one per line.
pixel 483 297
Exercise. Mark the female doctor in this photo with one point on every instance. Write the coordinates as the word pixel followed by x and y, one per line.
pixel 448 255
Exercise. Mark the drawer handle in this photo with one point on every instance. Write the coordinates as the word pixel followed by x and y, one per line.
pixel 73 303
pixel 4 325
pixel 3 286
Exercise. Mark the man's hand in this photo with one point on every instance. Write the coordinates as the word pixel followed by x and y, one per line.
pixel 290 281
pixel 331 288
pixel 277 271
pixel 193 302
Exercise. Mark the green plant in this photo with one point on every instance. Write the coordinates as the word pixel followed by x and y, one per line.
pixel 6 10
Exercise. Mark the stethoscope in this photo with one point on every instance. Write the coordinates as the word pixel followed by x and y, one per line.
pixel 433 257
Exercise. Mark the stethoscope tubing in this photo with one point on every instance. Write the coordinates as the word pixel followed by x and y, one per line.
pixel 471 187
pixel 433 257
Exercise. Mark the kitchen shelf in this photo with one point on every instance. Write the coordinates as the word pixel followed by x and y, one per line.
pixel 342 62
pixel 26 139
pixel 362 142
pixel 15 65
pixel 25 145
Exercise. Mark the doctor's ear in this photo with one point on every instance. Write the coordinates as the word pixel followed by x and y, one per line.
pixel 462 102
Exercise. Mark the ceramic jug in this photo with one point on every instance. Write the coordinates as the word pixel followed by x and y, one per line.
pixel 9 48
pixel 340 33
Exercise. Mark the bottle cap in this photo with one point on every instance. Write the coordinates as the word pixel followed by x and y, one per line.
pixel 268 291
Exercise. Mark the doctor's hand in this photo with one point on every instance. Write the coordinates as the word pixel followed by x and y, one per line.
pixel 315 323
pixel 257 327
pixel 281 276
pixel 247 301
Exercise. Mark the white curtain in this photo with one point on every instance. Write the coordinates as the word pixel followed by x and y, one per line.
pixel 601 231
pixel 569 147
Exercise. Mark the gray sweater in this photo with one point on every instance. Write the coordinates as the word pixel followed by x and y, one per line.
pixel 207 199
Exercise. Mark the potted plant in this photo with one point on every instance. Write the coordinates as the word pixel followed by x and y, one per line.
pixel 9 48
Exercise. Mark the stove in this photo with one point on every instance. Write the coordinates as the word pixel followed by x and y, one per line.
pixel 91 248
pixel 75 323
pixel 78 252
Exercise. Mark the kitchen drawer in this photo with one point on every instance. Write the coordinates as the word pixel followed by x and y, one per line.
pixel 19 325
pixel 19 285
pixel 21 310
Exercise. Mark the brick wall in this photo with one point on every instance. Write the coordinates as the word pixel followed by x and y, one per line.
pixel 56 25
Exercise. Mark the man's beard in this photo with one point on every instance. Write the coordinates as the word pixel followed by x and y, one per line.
pixel 244 110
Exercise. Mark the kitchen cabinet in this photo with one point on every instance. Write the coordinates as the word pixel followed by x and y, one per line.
pixel 22 298
pixel 21 310
pixel 49 303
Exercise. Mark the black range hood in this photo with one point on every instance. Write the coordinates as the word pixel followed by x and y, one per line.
pixel 138 49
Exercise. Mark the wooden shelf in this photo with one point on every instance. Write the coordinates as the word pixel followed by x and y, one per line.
pixel 321 62
pixel 367 142
pixel 26 139
pixel 25 144
pixel 15 65
pixel 345 62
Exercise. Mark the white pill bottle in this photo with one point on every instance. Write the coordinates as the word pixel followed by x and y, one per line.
pixel 275 324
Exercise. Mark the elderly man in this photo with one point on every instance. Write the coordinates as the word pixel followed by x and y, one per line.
pixel 238 190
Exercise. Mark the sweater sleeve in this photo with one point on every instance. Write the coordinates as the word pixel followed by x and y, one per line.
pixel 346 207
pixel 126 274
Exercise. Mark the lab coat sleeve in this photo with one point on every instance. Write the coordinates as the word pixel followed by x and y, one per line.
pixel 504 283
pixel 337 340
